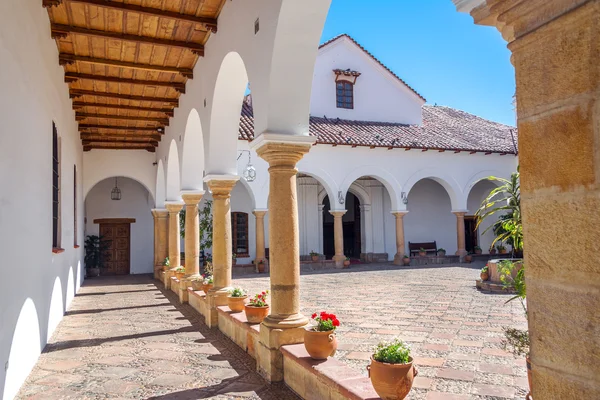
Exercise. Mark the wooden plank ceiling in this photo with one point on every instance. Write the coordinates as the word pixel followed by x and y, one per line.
pixel 127 62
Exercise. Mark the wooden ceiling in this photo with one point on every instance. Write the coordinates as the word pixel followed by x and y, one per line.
pixel 127 62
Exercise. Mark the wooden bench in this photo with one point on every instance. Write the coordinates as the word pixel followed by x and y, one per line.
pixel 430 248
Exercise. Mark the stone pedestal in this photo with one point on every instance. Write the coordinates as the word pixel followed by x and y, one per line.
pixel 220 186
pixel 338 237
pixel 285 322
pixel 192 242
pixel 174 246
pixel 161 239
pixel 460 233
pixel 260 235
pixel 400 246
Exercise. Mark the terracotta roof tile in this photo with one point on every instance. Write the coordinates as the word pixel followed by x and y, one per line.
pixel 443 128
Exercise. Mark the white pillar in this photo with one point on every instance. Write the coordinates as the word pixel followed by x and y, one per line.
pixel 320 217
pixel 367 228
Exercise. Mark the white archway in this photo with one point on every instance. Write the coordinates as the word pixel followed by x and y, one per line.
pixel 324 180
pixel 457 198
pixel 230 86
pixel 173 177
pixel 161 186
pixel 192 169
pixel 386 178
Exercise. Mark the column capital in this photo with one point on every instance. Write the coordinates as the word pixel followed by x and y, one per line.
pixel 460 213
pixel 259 212
pixel 174 206
pixel 399 213
pixel 221 185
pixel 192 197
pixel 338 213
pixel 283 154
pixel 160 212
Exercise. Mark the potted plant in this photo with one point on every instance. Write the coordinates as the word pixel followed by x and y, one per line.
pixel 391 370
pixel 257 308
pixel 477 250
pixel 95 248
pixel 469 257
pixel 422 252
pixel 492 250
pixel 260 266
pixel 319 339
pixel 166 264
pixel 347 262
pixel 180 272
pixel 197 284
pixel 501 249
pixel 235 299
pixel 441 252
pixel 485 274
pixel 406 260
pixel 207 283
pixel 234 259
pixel 314 256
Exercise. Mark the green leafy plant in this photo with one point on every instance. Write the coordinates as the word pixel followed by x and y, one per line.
pixel 476 248
pixel 406 256
pixel 237 292
pixel 422 250
pixel 396 352
pixel 180 269
pixel 259 300
pixel 325 322
pixel 166 262
pixel 516 341
pixel 205 223
pixel 505 200
pixel 207 279
pixel 485 269
pixel 314 253
pixel 441 249
pixel 517 283
pixel 234 256
pixel 208 268
pixel 500 247
pixel 95 247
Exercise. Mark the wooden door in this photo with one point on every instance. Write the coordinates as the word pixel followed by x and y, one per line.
pixel 116 257
pixel 471 233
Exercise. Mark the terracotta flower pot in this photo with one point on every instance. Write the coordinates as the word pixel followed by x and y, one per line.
pixel 320 345
pixel 315 258
pixel 179 275
pixel 261 268
pixel 528 362
pixel 197 285
pixel 392 381
pixel 441 253
pixel 504 251
pixel 346 263
pixel 484 276
pixel 255 315
pixel 422 253
pixel 236 304
pixel 406 261
pixel 492 252
pixel 468 258
pixel 206 287
pixel 478 252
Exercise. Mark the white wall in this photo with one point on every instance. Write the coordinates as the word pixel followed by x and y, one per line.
pixel 378 95
pixel 479 192
pixel 136 203
pixel 32 95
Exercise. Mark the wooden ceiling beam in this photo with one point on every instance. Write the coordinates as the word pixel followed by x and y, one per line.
pixel 123 128
pixel 120 136
pixel 78 93
pixel 59 31
pixel 86 142
pixel 75 76
pixel 69 59
pixel 209 24
pixel 80 104
pixel 79 116
pixel 107 146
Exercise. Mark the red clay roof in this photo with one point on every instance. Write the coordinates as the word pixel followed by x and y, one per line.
pixel 344 35
pixel 443 128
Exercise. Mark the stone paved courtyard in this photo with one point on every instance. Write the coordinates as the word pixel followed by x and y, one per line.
pixel 125 338
pixel 454 330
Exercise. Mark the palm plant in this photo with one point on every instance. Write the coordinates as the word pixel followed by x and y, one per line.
pixel 505 200
pixel 95 247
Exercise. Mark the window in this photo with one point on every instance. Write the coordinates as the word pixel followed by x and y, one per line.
pixel 344 94
pixel 55 189
pixel 75 206
pixel 239 230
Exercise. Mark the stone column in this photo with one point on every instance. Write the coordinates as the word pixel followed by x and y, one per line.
pixel 367 224
pixel 222 252
pixel 320 216
pixel 284 325
pixel 260 234
pixel 460 233
pixel 192 242
pixel 161 238
pixel 555 51
pixel 400 246
pixel 338 237
pixel 174 246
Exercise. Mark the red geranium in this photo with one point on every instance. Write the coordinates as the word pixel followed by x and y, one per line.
pixel 325 321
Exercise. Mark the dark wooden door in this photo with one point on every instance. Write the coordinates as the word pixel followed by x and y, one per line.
pixel 471 234
pixel 116 257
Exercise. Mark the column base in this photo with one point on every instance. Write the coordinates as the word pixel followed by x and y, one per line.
pixel 274 321
pixel 461 253
pixel 184 284
pixel 269 358
pixel 339 261
pixel 398 259
pixel 215 298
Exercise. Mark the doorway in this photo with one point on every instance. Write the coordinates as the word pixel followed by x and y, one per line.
pixel 351 228
pixel 471 233
pixel 117 234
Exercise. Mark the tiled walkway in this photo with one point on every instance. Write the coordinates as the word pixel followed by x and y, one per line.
pixel 123 338
pixel 454 330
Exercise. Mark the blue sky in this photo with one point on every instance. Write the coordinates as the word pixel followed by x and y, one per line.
pixel 441 53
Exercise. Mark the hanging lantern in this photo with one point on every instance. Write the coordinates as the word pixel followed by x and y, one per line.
pixel 249 173
pixel 115 194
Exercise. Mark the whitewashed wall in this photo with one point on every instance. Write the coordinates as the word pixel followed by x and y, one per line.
pixel 136 202
pixel 479 192
pixel 32 95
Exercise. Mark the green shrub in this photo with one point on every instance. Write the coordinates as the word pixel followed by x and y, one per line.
pixel 396 352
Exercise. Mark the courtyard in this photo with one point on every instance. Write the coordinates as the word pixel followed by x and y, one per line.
pixel 129 338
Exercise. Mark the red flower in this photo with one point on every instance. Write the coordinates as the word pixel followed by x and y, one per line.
pixel 336 322
pixel 314 316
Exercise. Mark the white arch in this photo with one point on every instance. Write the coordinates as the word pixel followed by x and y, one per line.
pixel 24 350
pixel 121 176
pixel 457 198
pixel 192 169
pixel 480 176
pixel 228 96
pixel 173 180
pixel 161 186
pixel 326 181
pixel 383 176
pixel 57 308
pixel 363 196
pixel 248 188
